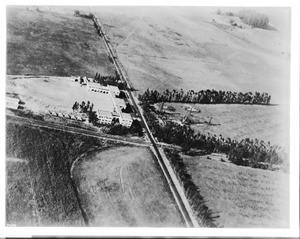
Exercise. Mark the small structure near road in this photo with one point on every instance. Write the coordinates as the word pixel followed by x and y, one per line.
pixel 12 103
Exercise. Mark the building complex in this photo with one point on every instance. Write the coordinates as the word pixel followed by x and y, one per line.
pixel 110 107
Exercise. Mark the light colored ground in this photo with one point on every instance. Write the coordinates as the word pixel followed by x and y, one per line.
pixel 55 93
pixel 123 187
pixel 181 47
pixel 268 123
pixel 242 196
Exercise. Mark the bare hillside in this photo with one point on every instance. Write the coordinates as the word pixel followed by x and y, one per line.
pixel 195 48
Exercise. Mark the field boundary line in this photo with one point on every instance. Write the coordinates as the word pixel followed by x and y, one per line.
pixel 178 188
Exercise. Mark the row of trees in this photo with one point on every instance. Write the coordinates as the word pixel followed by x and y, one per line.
pixel 83 107
pixel 203 213
pixel 205 97
pixel 253 153
pixel 110 80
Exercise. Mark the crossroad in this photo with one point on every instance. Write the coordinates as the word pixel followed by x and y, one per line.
pixel 174 185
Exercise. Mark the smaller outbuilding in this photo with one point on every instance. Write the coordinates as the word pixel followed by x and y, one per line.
pixel 12 103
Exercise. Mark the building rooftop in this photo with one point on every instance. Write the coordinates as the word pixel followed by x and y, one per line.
pixel 97 85
pixel 113 88
pixel 105 113
pixel 126 116
pixel 120 102
pixel 12 100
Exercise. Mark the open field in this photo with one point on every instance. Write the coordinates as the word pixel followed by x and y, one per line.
pixel 53 42
pixel 42 182
pixel 246 197
pixel 54 93
pixel 124 187
pixel 268 123
pixel 20 198
pixel 194 48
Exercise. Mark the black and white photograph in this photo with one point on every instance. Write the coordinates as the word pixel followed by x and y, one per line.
pixel 148 117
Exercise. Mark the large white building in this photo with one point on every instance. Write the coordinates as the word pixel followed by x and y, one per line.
pixel 126 120
pixel 110 107
pixel 114 89
pixel 105 117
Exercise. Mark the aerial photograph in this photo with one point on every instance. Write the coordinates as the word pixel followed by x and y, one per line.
pixel 147 116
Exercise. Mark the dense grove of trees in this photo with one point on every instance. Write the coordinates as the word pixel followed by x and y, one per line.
pixel 118 129
pixel 253 153
pixel 254 19
pixel 204 215
pixel 83 107
pixel 110 80
pixel 205 97
pixel 83 15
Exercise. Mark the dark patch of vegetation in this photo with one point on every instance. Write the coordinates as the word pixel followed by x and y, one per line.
pixel 206 97
pixel 253 153
pixel 43 43
pixel 254 19
pixel 204 214
pixel 50 154
pixel 20 200
pixel 111 80
pixel 117 129
pixel 83 15
pixel 128 109
pixel 26 113
pixel 83 107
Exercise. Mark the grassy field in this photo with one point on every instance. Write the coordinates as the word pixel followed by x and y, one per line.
pixel 53 42
pixel 268 123
pixel 194 48
pixel 124 187
pixel 21 207
pixel 241 196
pixel 43 183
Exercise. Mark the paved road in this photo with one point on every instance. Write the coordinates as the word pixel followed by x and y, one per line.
pixel 175 187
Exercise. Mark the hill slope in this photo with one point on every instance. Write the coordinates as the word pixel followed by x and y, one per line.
pixel 194 48
pixel 53 42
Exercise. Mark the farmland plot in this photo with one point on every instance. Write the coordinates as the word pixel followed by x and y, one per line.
pixel 39 191
pixel 268 123
pixel 124 187
pixel 241 196
pixel 53 43
pixel 21 207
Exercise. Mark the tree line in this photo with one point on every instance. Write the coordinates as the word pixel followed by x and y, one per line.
pixel 253 153
pixel 110 80
pixel 206 97
pixel 203 213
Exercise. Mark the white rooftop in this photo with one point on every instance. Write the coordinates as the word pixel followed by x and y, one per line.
pixel 120 102
pixel 104 113
pixel 113 88
pixel 126 116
